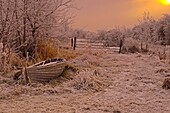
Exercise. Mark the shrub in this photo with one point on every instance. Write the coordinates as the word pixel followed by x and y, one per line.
pixel 133 49
pixel 131 46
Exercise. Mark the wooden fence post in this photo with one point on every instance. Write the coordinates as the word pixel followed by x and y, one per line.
pixel 74 43
pixel 120 46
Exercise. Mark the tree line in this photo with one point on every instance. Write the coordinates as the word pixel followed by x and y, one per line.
pixel 147 31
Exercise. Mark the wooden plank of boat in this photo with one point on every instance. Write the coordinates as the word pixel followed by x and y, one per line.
pixel 46 71
pixel 44 77
pixel 51 69
pixel 50 75
pixel 40 80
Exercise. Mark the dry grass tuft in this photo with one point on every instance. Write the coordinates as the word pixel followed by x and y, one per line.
pixel 17 61
pixel 51 49
pixel 67 54
pixel 162 70
pixel 87 80
pixel 162 56
pixel 47 49
pixel 14 61
pixel 166 83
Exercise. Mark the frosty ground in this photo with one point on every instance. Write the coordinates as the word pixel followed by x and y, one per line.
pixel 105 83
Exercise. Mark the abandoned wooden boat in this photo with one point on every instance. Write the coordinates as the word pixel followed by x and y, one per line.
pixel 46 70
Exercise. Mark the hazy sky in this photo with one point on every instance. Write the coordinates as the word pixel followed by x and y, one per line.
pixel 106 14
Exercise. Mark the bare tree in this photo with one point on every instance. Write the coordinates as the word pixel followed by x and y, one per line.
pixel 41 15
pixel 22 22
pixel 145 30
pixel 164 31
pixel 6 27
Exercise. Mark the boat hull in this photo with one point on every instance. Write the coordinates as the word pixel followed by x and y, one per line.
pixel 45 73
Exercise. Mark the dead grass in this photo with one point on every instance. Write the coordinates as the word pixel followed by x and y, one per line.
pixel 46 49
pixel 166 83
pixel 17 61
pixel 163 52
pixel 51 49
pixel 87 61
pixel 87 80
pixel 13 61
pixel 67 54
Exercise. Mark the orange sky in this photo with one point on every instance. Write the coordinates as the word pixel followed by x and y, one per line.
pixel 107 14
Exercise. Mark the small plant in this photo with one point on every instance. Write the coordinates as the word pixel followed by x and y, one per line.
pixel 162 56
pixel 166 83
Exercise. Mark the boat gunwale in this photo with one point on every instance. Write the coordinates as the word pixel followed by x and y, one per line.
pixel 44 65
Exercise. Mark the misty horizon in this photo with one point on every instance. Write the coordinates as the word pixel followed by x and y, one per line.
pixel 99 14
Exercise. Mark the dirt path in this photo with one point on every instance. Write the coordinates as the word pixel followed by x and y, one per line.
pixel 134 87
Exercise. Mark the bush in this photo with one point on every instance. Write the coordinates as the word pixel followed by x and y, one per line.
pixel 130 46
pixel 133 49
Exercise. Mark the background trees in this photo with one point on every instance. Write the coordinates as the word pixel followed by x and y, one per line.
pixel 164 29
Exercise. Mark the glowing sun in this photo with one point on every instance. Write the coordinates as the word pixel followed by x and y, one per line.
pixel 165 2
